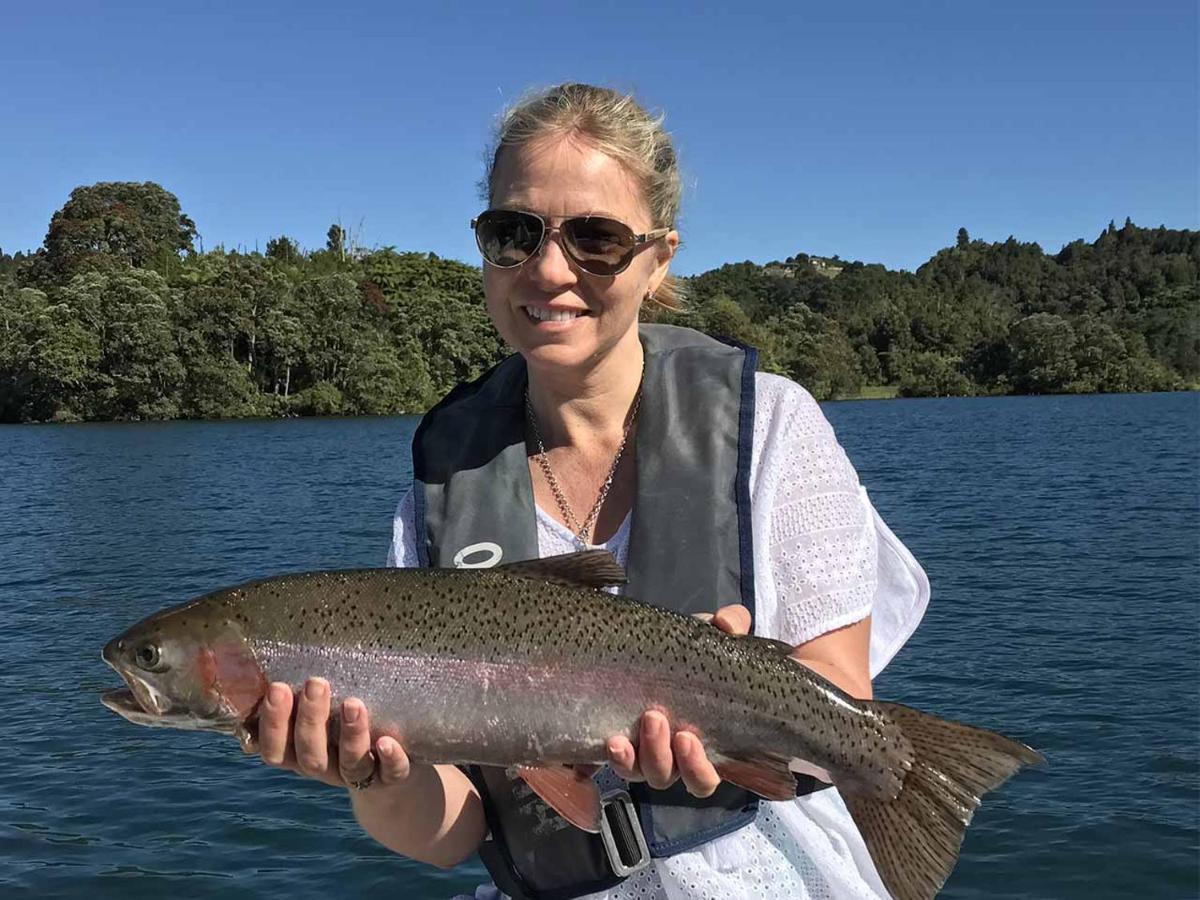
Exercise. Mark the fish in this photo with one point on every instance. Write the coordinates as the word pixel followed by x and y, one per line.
pixel 532 666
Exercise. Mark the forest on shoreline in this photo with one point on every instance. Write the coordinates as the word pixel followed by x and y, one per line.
pixel 118 317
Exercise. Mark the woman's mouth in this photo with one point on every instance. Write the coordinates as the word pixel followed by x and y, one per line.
pixel 547 314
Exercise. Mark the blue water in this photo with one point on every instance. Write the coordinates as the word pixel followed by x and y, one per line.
pixel 1060 533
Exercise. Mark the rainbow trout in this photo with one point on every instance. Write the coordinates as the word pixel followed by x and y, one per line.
pixel 531 665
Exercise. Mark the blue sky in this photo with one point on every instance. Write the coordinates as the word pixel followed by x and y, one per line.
pixel 869 130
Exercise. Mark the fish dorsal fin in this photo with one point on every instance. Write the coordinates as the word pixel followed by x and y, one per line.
pixel 587 568
pixel 569 792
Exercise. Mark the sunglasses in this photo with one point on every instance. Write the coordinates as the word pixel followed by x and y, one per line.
pixel 600 246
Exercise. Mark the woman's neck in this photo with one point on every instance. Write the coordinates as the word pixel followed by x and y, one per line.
pixel 590 406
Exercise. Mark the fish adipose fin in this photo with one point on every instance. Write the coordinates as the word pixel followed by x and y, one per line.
pixel 588 568
pixel 914 838
pixel 571 794
pixel 765 775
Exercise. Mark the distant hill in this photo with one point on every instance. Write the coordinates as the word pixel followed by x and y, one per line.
pixel 1121 313
pixel 118 317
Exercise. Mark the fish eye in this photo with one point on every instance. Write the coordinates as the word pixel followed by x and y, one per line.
pixel 147 656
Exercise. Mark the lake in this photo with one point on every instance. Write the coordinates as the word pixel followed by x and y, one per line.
pixel 1060 534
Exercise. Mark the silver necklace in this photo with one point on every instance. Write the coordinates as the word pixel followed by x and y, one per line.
pixel 581 532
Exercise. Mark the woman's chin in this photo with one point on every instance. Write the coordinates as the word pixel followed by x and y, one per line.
pixel 579 346
pixel 558 355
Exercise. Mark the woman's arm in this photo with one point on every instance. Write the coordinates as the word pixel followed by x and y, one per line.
pixel 434 815
pixel 841 656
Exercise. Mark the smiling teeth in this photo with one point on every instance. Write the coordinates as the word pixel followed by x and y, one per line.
pixel 551 315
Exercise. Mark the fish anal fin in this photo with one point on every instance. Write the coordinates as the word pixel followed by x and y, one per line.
pixel 588 568
pixel 570 793
pixel 767 776
pixel 801 767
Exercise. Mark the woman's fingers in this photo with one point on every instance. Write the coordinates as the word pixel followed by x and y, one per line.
pixel 661 758
pixel 312 728
pixel 394 765
pixel 734 619
pixel 623 759
pixel 356 762
pixel 654 756
pixel 275 725
pixel 697 772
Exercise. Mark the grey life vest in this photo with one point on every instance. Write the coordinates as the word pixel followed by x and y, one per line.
pixel 689 549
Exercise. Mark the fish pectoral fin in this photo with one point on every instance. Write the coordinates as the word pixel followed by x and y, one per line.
pixel 588 568
pixel 570 793
pixel 765 775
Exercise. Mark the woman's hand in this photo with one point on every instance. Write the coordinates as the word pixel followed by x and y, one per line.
pixel 661 758
pixel 430 813
pixel 300 742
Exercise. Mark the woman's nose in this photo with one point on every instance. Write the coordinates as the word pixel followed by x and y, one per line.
pixel 550 268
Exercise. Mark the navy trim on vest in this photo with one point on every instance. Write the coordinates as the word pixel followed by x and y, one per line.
pixel 745 458
pixel 664 849
pixel 422 535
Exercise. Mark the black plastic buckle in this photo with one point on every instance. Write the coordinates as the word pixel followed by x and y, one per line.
pixel 621 832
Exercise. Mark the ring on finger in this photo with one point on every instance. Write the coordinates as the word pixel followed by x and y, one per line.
pixel 362 784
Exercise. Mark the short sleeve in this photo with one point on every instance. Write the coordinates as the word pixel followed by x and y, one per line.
pixel 823 544
pixel 403 551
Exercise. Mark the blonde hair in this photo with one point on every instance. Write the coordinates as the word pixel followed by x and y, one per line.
pixel 616 125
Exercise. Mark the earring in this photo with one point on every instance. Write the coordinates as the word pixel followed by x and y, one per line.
pixel 649 298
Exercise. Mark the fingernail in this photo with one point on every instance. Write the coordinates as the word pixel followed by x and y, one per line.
pixel 614 748
pixel 654 726
pixel 276 695
pixel 386 749
pixel 350 712
pixel 314 689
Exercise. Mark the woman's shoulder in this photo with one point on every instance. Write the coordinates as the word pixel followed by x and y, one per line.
pixel 784 409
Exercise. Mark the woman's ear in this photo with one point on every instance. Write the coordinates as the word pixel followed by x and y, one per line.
pixel 664 250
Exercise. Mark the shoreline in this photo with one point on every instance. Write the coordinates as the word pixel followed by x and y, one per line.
pixel 870 392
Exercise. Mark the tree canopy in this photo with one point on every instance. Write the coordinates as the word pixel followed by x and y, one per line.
pixel 118 317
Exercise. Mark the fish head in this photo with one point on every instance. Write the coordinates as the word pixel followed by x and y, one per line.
pixel 190 667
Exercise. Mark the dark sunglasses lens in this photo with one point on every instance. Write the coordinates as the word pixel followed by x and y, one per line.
pixel 600 246
pixel 507 239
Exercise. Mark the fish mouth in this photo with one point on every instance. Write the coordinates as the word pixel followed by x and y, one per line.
pixel 148 697
pixel 125 703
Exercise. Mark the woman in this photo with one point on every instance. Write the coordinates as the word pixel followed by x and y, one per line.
pixel 657 443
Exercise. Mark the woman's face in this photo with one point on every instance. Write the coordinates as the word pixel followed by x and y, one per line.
pixel 560 178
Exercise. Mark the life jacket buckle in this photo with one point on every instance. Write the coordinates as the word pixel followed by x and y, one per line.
pixel 621 832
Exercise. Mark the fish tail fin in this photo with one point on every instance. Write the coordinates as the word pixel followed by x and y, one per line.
pixel 914 838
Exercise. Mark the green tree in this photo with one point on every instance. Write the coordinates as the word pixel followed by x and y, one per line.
pixel 46 357
pixel 284 249
pixel 128 314
pixel 335 240
pixel 813 351
pixel 932 375
pixel 1043 354
pixel 117 222
pixel 387 379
